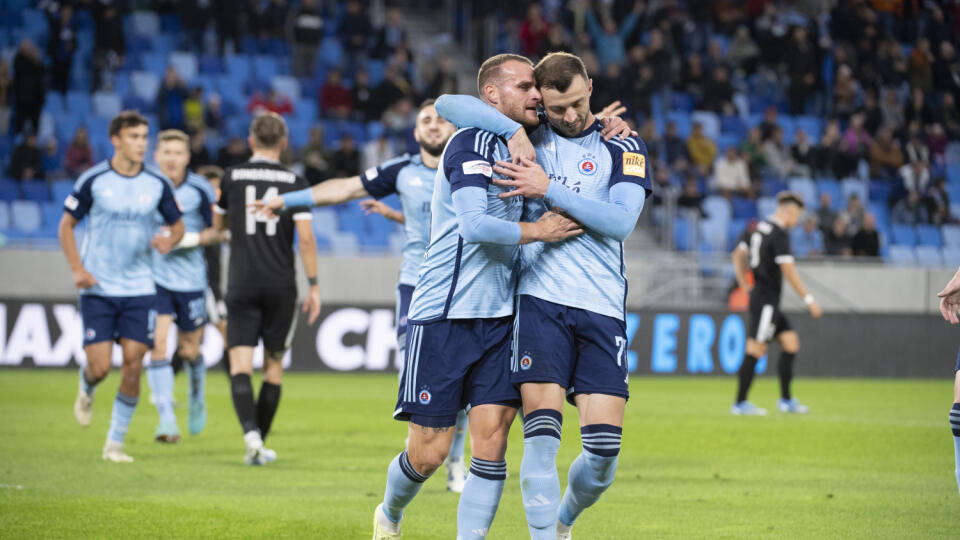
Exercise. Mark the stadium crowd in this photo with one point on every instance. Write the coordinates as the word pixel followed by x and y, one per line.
pixel 735 101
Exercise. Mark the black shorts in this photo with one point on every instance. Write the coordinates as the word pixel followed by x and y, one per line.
pixel 766 321
pixel 267 312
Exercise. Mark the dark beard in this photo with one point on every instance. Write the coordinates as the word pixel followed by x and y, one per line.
pixel 434 150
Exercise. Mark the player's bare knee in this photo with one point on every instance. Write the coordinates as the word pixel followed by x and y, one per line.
pixel 427 455
pixel 97 372
pixel 188 350
pixel 158 354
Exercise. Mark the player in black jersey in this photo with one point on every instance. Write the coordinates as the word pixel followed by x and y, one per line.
pixel 766 251
pixel 261 280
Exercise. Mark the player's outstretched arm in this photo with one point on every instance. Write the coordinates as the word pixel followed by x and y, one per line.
pixel 68 243
pixel 793 277
pixel 373 206
pixel 308 253
pixel 329 192
pixel 950 299
pixel 469 112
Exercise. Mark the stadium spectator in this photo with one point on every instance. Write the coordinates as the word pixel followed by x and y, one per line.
pixel 777 154
pixel 79 153
pixel 946 71
pixel 606 86
pixel 272 102
pixel 355 30
pixel 938 202
pixel 194 16
pixel 199 154
pixel 846 93
pixel 28 87
pixel 916 149
pixel 556 41
pixel 345 161
pixel 193 113
pixel 61 44
pixel 233 153
pixel 837 240
pixel 651 137
pixel 639 76
pixel 730 174
pixel 336 100
pixel 866 242
pixel 364 107
pixel 807 241
pixel 856 140
pixel 701 149
pixel 376 152
pixel 391 36
pixel 872 115
pixel 26 161
pixel 802 65
pixel 825 214
pixel 661 55
pixel 392 89
pixel 937 143
pixel 770 122
pixel 886 158
pixel 690 198
pixel 921 66
pixel 444 79
pixel 52 160
pixel 718 92
pixel 533 31
pixel 110 47
pixel 6 93
pixel 854 214
pixel 915 177
pixel 949 115
pixel 307 34
pixel 910 210
pixel 918 110
pixel 227 17
pixel 663 189
pixel 803 153
pixel 743 52
pixel 692 77
pixel 269 18
pixel 752 150
pixel 315 159
pixel 892 109
pixel 170 100
pixel 609 40
pixel 214 117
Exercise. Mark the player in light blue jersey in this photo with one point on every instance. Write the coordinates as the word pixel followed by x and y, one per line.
pixel 412 178
pixel 569 331
pixel 458 341
pixel 119 198
pixel 181 279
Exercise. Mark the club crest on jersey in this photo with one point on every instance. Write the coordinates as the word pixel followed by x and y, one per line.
pixel 90 333
pixel 587 166
pixel 424 396
pixel 526 362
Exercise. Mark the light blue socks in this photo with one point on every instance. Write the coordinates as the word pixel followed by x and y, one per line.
pixel 539 482
pixel 593 470
pixel 123 407
pixel 480 498
pixel 955 427
pixel 160 379
pixel 403 483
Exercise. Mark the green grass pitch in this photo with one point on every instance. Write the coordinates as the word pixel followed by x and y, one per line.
pixel 874 459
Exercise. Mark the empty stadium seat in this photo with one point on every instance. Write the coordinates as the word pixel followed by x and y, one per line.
pixel 51 212
pixel 287 86
pixel 929 235
pixel 185 63
pixel 718 208
pixel 145 23
pixel 953 173
pixel 36 190
pixel 713 234
pixel 880 190
pixel 107 104
pixel 145 85
pixel 9 190
pixel 903 235
pixel 766 206
pixel 806 189
pixel 853 186
pixel 951 235
pixel 929 257
pixel 901 255
pixel 25 216
pixel 265 67
pixel 744 208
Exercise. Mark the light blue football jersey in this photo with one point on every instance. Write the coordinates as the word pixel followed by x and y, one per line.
pixel 121 218
pixel 185 270
pixel 460 280
pixel 412 181
pixel 587 271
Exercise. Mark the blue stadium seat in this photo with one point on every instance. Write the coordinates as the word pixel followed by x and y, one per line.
pixel 9 190
pixel 186 65
pixel 880 190
pixel 287 86
pixel 683 122
pixel 953 189
pixel 772 186
pixel 838 199
pixel 710 122
pixel 51 212
pixel 36 190
pixel 744 208
pixel 145 85
pixel 54 102
pixel 106 104
pixel 154 62
pixel 811 124
pixel 951 235
pixel 737 226
pixel 806 189
pixel 950 254
pixel 929 235
pixel 766 206
pixel 325 222
pixel 78 101
pixel 682 102
pixel 953 173
pixel 882 213
pixel 4 215
pixel 26 216
pixel 929 257
pixel 713 234
pixel 210 64
pixel 238 66
pixel 681 234
pixel 903 235
pixel 265 67
pixel 901 255
pixel 851 186
pixel 718 208
pixel 331 52
pixel 145 23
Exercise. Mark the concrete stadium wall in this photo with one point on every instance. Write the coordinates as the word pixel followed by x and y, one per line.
pixel 371 280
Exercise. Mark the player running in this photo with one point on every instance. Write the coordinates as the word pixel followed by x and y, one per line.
pixel 181 280
pixel 569 330
pixel 262 288
pixel 412 177
pixel 458 341
pixel 766 251
pixel 949 306
pixel 120 198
